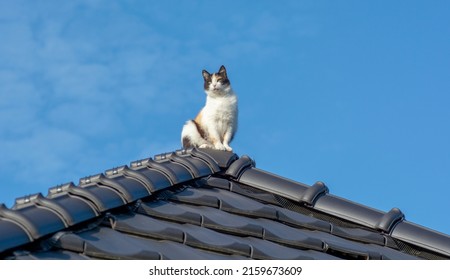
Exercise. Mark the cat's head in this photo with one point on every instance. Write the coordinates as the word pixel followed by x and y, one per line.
pixel 216 84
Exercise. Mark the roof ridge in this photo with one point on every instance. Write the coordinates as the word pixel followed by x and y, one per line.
pixel 97 194
pixel 35 216
pixel 392 223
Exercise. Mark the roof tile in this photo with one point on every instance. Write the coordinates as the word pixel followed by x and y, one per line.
pixel 170 211
pixel 141 225
pixel 194 236
pixel 196 167
pixel 168 169
pixel 205 157
pixel 290 236
pixel 125 172
pixel 219 220
pixel 157 179
pixel 13 234
pixel 272 183
pixel 38 221
pixel 222 158
pixel 263 249
pixel 348 210
pixel 208 239
pixel 299 220
pixel 236 169
pixel 103 198
pixel 129 189
pixel 106 243
pixel 226 201
pixel 74 209
pixel 422 237
pixel 358 234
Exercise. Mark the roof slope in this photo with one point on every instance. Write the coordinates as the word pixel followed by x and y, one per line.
pixel 205 204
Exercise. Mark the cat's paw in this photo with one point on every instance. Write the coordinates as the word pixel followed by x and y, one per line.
pixel 228 148
pixel 206 146
pixel 219 146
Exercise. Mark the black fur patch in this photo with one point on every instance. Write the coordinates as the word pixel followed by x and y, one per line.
pixel 206 78
pixel 187 143
pixel 200 130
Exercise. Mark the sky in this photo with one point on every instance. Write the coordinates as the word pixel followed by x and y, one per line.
pixel 352 93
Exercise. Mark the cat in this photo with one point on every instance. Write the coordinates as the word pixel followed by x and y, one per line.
pixel 215 125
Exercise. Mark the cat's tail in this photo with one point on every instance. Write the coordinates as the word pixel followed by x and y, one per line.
pixel 193 136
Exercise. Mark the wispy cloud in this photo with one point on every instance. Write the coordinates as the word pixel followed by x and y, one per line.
pixel 88 84
pixel 72 81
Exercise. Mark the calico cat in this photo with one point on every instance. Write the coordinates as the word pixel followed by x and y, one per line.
pixel 216 123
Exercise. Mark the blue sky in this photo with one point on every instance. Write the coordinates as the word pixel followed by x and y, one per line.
pixel 352 93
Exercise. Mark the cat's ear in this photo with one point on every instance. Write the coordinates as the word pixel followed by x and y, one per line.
pixel 206 75
pixel 223 71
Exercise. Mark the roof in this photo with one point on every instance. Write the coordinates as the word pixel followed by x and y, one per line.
pixel 205 204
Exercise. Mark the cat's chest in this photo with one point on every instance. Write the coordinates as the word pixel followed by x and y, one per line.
pixel 223 109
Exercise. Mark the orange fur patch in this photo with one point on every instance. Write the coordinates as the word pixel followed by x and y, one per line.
pixel 198 118
pixel 199 124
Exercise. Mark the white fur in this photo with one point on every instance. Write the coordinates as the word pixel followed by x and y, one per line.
pixel 190 131
pixel 218 119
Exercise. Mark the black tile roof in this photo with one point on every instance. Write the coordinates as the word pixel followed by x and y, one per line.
pixel 205 204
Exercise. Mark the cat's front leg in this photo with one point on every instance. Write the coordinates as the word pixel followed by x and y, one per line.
pixel 227 139
pixel 214 138
pixel 219 146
